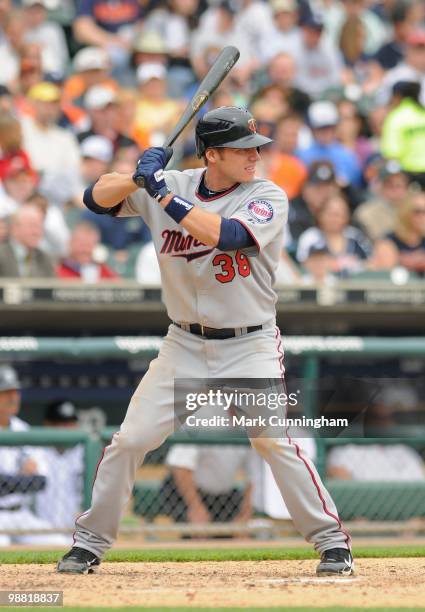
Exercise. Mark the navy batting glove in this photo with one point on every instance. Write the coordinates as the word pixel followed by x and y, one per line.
pixel 150 171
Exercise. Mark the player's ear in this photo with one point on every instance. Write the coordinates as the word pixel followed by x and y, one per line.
pixel 211 155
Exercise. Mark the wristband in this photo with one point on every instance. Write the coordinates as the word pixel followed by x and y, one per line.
pixel 178 208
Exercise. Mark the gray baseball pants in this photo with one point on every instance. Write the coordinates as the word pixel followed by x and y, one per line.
pixel 150 419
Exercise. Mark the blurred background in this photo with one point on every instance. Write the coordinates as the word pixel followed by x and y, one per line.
pixel 85 87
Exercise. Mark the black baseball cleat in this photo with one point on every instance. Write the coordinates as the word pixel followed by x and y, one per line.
pixel 78 561
pixel 336 562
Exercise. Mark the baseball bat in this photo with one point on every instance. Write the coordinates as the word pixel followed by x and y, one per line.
pixel 215 75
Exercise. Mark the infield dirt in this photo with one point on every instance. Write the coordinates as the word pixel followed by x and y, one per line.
pixel 378 582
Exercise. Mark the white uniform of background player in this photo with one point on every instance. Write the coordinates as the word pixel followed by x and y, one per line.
pixel 15 508
pixel 61 500
pixel 206 286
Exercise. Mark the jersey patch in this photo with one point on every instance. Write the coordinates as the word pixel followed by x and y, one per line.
pixel 260 211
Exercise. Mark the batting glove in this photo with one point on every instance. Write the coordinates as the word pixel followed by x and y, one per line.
pixel 150 171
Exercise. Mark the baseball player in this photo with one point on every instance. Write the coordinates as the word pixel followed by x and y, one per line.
pixel 218 235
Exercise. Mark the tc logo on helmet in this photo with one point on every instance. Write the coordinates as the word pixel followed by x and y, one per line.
pixel 252 125
pixel 260 211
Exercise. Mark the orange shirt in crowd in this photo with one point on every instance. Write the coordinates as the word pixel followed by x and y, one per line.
pixel 288 172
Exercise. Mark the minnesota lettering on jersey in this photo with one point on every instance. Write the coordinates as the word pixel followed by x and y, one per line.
pixel 178 245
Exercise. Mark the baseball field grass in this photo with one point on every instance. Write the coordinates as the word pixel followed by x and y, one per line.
pixel 214 554
pixel 210 577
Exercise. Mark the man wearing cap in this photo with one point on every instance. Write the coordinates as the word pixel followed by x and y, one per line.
pixel 156 112
pixel 53 150
pixel 60 501
pixel 284 31
pixel 101 105
pixel 96 153
pixel 21 468
pixel 323 119
pixel 319 185
pixel 377 216
pixel 319 63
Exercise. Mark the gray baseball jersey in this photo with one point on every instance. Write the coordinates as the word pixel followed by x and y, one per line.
pixel 202 284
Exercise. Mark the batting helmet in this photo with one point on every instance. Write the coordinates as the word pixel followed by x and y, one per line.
pixel 228 126
pixel 8 378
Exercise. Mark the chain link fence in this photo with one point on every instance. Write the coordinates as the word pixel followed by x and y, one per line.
pixel 41 507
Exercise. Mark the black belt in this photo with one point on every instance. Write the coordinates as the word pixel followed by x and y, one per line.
pixel 211 333
pixel 10 508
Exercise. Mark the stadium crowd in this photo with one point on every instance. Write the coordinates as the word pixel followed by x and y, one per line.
pixel 86 85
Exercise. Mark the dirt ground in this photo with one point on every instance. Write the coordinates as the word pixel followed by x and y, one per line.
pixel 378 582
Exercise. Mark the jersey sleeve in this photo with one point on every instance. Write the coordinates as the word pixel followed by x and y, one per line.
pixel 263 213
pixel 137 205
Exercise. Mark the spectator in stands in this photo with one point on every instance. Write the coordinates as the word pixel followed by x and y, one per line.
pixel 127 100
pixel 403 132
pixel 350 129
pixel 377 216
pixel 284 30
pixel 56 231
pixel 60 501
pixel 319 186
pixel 11 150
pixel 335 14
pixel 110 25
pixel 81 260
pixel 404 15
pixel 285 170
pixel 48 35
pixel 281 71
pixel 405 246
pixel 30 73
pixel 53 150
pixel 323 119
pixel 412 69
pixel 166 39
pixel 318 63
pixel 255 19
pixel 218 28
pixel 101 103
pixel 291 133
pixel 96 157
pixel 156 112
pixel 90 67
pixel 10 48
pixel 21 472
pixel 21 256
pixel 348 247
pixel 6 100
pixel 202 485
